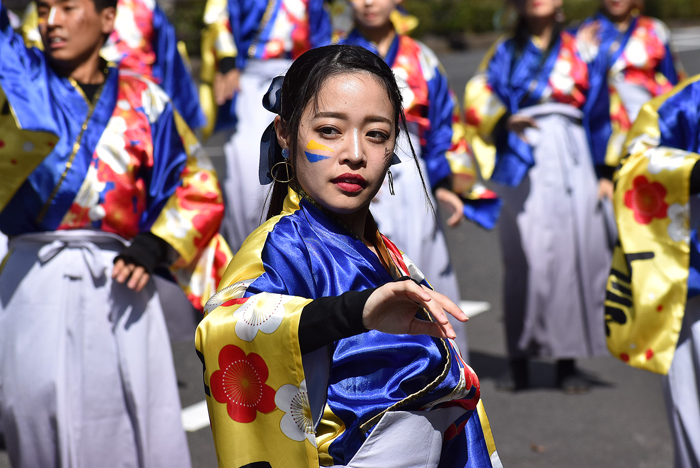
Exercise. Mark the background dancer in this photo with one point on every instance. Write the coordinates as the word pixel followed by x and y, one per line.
pixel 652 311
pixel 97 167
pixel 144 42
pixel 525 117
pixel 630 62
pixel 254 42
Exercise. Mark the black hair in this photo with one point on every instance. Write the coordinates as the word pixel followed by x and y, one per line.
pixel 304 80
pixel 102 4
pixel 521 36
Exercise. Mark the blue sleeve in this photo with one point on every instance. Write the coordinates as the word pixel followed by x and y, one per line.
pixel 678 119
pixel 319 24
pixel 169 160
pixel 596 110
pixel 439 137
pixel 667 66
pixel 171 69
pixel 24 79
pixel 235 19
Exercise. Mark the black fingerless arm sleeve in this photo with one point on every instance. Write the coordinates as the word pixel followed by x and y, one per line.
pixel 328 319
pixel 146 250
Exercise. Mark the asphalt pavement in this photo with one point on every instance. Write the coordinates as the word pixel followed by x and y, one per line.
pixel 620 423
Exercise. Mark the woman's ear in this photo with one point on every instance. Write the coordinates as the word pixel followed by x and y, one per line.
pixel 281 132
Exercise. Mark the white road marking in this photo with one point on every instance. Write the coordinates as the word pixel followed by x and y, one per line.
pixel 474 308
pixel 195 417
pixel 686 38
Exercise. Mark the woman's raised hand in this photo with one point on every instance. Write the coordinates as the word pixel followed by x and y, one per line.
pixel 392 309
pixel 518 123
pixel 452 203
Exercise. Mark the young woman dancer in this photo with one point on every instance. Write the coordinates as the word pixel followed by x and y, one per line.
pixel 326 347
pixel 526 117
pixel 630 62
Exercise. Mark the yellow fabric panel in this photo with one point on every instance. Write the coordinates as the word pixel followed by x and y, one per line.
pixel 21 151
pixel 330 427
pixel 198 176
pixel 265 438
pixel 239 443
pixel 30 27
pixel 644 314
pixel 483 110
pixel 217 43
pixel 616 147
pixel 486 428
pixel 403 22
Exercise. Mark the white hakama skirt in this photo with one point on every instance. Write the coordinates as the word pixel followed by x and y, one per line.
pixel 682 390
pixel 556 241
pixel 86 370
pixel 245 197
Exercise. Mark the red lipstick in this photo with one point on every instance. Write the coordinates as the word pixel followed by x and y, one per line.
pixel 349 182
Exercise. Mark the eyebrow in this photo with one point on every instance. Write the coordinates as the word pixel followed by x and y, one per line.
pixel 41 3
pixel 342 116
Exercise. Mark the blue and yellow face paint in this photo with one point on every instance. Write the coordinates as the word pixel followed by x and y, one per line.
pixel 313 145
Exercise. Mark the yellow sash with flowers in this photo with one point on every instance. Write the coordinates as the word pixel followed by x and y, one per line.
pixel 647 288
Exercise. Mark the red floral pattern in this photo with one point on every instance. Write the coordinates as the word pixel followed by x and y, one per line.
pixel 575 94
pixel 646 199
pixel 240 383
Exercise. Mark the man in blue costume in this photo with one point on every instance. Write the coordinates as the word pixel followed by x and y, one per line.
pixel 97 168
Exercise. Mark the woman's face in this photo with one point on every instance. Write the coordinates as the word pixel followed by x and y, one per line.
pixel 618 8
pixel 538 8
pixel 345 145
pixel 371 14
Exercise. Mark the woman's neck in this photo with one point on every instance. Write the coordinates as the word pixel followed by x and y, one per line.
pixel 541 28
pixel 356 222
pixel 621 22
pixel 382 37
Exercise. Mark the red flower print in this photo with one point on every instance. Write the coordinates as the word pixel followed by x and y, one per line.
pixel 240 383
pixel 646 199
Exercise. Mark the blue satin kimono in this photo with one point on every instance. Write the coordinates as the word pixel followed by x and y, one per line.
pixel 524 79
pixel 301 255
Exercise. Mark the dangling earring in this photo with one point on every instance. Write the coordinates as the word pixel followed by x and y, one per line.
pixel 391 182
pixel 288 169
pixel 285 153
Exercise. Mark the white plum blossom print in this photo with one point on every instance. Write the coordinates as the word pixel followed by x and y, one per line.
pixel 177 224
pixel 297 422
pixel 636 52
pixel 407 94
pixel 126 27
pixel 679 229
pixel 111 149
pixel 561 77
pixel 429 62
pixel 665 158
pixel 89 195
pixel 154 101
pixel 263 312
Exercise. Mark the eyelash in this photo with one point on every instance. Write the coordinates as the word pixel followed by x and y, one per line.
pixel 373 135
